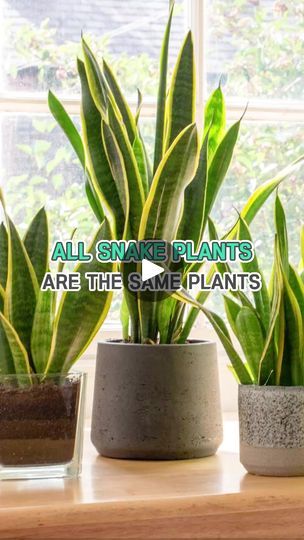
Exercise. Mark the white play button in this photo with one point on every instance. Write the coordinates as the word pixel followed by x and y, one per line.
pixel 149 270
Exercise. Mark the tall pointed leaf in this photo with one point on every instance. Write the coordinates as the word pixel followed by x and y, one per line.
pixel 117 166
pixel 120 101
pixel 219 167
pixel 42 330
pixel 181 99
pixel 215 121
pixel 261 194
pixel 36 243
pixel 251 338
pixel 136 190
pixel 80 313
pixel 162 93
pixel 3 255
pixel 22 288
pixel 140 156
pixel 162 209
pixel 261 297
pixel 17 349
pixel 96 159
pixel 95 79
pixel 67 125
pixel 281 230
pixel 194 199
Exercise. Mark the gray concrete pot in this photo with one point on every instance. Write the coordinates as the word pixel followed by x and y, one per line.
pixel 156 401
pixel 272 429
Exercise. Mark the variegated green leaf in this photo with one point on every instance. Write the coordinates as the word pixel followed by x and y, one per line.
pixel 67 125
pixel 96 159
pixel 180 109
pixel 140 156
pixel 251 338
pixel 80 313
pixel 36 243
pixel 21 289
pixel 218 168
pixel 281 230
pixel 13 350
pixel 215 121
pixel 95 79
pixel 162 93
pixel 3 255
pixel 42 330
pixel 121 103
pixel 194 200
pixel 161 212
pixel 261 297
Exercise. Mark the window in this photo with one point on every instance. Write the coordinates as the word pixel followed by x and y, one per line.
pixel 254 46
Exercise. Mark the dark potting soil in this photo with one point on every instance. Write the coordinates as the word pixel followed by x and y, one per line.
pixel 38 423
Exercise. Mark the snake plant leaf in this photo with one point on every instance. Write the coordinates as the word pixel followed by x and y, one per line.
pixel 294 332
pixel 42 330
pixel 80 313
pixel 251 338
pixel 194 199
pixel 214 121
pixel 281 329
pixel 261 194
pixel 67 125
pixel 223 333
pixel 223 267
pixel 281 230
pixel 139 106
pixel 36 243
pixel 232 310
pixel 132 304
pixel 248 213
pixel 161 212
pixel 302 248
pixel 96 159
pixel 3 255
pixel 180 108
pixel 120 101
pixel 267 368
pixel 219 167
pixel 2 298
pixel 93 199
pixel 162 94
pixel 124 318
pixel 136 190
pixel 94 78
pixel 21 288
pixel 14 351
pixel 71 132
pixel 261 297
pixel 140 156
pixel 297 287
pixel 117 166
pixel 7 366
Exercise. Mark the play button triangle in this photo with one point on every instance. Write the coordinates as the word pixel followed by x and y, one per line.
pixel 149 270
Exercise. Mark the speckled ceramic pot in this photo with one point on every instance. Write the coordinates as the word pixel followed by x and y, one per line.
pixel 272 429
pixel 156 401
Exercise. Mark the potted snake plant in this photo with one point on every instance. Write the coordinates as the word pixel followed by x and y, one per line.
pixel 156 391
pixel 41 337
pixel 269 329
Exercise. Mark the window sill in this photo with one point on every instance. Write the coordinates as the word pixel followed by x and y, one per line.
pixel 207 498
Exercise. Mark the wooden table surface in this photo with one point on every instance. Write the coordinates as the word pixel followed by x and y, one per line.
pixel 205 498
